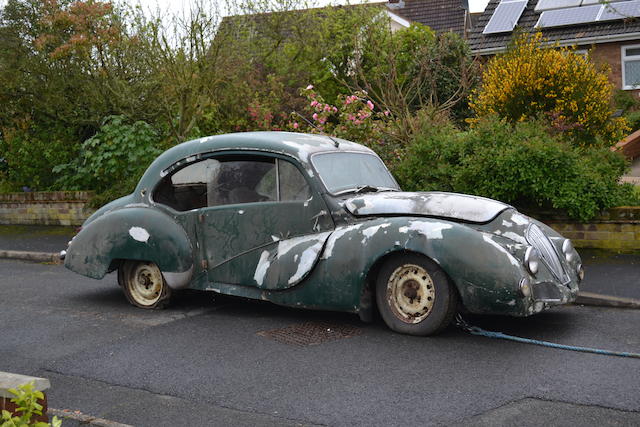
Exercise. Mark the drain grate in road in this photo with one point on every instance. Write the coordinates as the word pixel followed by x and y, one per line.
pixel 311 333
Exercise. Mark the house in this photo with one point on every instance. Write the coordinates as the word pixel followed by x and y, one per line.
pixel 440 15
pixel 609 30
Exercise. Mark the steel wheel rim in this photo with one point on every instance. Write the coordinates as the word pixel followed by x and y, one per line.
pixel 411 293
pixel 145 284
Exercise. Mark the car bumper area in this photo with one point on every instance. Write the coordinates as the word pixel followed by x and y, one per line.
pixel 546 294
pixel 512 302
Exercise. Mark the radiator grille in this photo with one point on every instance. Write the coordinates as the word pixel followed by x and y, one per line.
pixel 548 253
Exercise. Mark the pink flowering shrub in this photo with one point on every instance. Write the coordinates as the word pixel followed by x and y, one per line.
pixel 354 117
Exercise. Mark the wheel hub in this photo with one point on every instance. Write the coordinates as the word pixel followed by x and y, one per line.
pixel 146 284
pixel 411 293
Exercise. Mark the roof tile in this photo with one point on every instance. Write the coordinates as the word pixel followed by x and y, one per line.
pixel 440 15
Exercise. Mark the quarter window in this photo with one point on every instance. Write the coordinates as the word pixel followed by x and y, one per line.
pixel 230 181
pixel 293 186
pixel 630 67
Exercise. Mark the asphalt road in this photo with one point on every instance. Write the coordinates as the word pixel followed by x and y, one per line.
pixel 203 362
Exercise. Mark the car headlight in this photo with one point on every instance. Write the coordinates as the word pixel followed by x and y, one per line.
pixel 568 250
pixel 532 260
pixel 525 287
pixel 580 272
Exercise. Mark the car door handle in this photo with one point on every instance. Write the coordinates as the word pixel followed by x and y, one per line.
pixel 318 215
pixel 316 219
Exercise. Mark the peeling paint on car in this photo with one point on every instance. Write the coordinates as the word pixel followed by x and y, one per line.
pixel 370 231
pixel 519 219
pixel 431 232
pixel 263 266
pixel 139 234
pixel 434 204
pixel 515 237
pixel 489 240
pixel 337 234
pixel 307 260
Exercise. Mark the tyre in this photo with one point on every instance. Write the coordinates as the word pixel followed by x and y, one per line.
pixel 414 295
pixel 143 284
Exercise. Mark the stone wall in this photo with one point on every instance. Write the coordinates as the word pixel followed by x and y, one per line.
pixel 44 208
pixel 616 228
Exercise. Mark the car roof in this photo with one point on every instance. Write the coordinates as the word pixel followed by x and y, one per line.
pixel 297 145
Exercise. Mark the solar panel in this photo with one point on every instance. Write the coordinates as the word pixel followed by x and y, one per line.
pixel 574 15
pixel 620 10
pixel 505 17
pixel 589 14
pixel 556 4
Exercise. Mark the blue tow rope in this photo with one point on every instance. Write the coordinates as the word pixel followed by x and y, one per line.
pixel 474 330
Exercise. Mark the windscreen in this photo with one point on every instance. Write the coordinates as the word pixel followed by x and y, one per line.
pixel 341 172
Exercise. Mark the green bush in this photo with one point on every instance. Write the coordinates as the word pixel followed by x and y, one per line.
pixel 111 161
pixel 30 151
pixel 633 119
pixel 624 100
pixel 520 164
pixel 26 399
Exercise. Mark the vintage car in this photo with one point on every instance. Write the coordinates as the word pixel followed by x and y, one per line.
pixel 318 222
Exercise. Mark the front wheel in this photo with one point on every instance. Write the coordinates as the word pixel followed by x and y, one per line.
pixel 143 284
pixel 414 295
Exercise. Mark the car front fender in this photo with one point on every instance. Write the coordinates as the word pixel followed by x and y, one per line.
pixel 484 272
pixel 135 233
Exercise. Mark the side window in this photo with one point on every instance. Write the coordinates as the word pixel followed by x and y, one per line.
pixel 243 181
pixel 212 182
pixel 187 188
pixel 293 186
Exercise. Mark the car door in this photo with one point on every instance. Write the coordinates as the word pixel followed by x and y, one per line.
pixel 263 222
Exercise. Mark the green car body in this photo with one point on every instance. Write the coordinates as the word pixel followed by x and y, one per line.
pixel 318 248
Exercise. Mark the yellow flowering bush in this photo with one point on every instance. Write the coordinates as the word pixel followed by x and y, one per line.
pixel 567 90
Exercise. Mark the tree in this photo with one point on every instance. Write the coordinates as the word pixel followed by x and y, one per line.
pixel 64 66
pixel 533 80
pixel 413 69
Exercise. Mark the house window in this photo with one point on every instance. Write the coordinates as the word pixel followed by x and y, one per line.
pixel 582 52
pixel 630 58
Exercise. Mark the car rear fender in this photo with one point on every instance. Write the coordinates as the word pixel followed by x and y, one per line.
pixel 136 233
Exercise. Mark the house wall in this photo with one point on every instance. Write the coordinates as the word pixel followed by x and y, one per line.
pixel 610 53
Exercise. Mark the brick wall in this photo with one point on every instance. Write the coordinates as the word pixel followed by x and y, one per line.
pixel 7 405
pixel 44 208
pixel 610 53
pixel 617 228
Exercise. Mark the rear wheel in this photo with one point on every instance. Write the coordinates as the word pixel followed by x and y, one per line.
pixel 414 295
pixel 143 284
